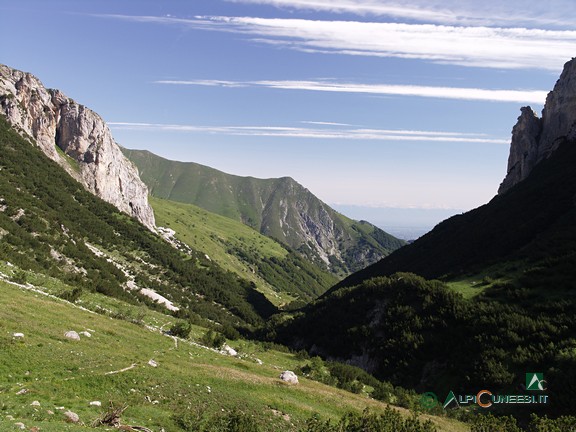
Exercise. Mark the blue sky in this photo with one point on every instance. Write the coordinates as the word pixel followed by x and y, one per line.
pixel 367 103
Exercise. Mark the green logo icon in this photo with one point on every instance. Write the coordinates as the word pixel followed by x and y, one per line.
pixel 535 381
pixel 449 399
pixel 428 400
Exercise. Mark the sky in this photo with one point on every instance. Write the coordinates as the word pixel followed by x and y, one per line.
pixel 369 104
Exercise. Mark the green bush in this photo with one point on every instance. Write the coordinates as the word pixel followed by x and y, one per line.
pixel 181 329
pixel 213 339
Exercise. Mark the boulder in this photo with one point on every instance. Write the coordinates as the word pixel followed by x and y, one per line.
pixel 72 335
pixel 71 417
pixel 289 377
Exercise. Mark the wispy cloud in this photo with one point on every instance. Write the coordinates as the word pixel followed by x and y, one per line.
pixel 460 93
pixel 318 133
pixel 555 13
pixel 503 48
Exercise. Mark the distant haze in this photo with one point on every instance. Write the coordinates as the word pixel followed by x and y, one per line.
pixel 404 223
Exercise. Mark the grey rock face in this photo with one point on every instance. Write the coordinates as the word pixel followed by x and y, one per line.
pixel 55 122
pixel 534 139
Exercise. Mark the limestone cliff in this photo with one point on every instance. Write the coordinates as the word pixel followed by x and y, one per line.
pixel 533 138
pixel 87 150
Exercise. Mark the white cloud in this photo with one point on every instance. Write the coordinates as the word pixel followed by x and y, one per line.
pixel 503 48
pixel 472 46
pixel 319 133
pixel 555 13
pixel 459 93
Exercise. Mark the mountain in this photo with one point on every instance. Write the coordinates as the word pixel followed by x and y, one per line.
pixel 535 139
pixel 279 208
pixel 530 215
pixel 53 228
pixel 279 272
pixel 76 138
pixel 513 258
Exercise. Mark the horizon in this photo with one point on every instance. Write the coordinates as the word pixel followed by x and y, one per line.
pixel 367 104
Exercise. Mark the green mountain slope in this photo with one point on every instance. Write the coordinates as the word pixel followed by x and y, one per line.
pixel 281 274
pixel 50 225
pixel 424 335
pixel 279 208
pixel 190 388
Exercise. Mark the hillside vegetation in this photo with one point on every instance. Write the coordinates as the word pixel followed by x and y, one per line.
pixel 50 225
pixel 277 271
pixel 279 208
pixel 505 307
pixel 191 388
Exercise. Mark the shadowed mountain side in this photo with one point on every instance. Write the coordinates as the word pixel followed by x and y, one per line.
pixel 521 223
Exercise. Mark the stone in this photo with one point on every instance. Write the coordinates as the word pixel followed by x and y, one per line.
pixel 71 417
pixel 229 350
pixel 18 335
pixel 96 403
pixel 21 392
pixel 289 377
pixel 152 363
pixel 54 120
pixel 72 335
pixel 35 403
pixel 85 333
pixel 20 425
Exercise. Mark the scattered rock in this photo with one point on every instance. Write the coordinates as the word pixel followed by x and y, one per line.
pixel 18 335
pixel 72 335
pixel 50 412
pixel 260 362
pixel 34 429
pixel 96 403
pixel 35 403
pixel 21 392
pixel 9 417
pixel 85 333
pixel 20 425
pixel 229 350
pixel 152 363
pixel 71 417
pixel 289 377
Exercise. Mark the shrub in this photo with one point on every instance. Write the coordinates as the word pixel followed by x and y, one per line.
pixel 181 329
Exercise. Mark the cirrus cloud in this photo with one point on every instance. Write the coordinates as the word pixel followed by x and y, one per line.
pixel 327 132
pixel 460 93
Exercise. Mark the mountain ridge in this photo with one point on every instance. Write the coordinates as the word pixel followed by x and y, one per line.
pixel 280 208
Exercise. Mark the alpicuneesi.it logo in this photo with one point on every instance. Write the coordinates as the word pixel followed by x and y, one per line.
pixel 485 398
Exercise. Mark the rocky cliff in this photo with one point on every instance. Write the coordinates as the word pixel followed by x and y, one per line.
pixel 76 138
pixel 534 138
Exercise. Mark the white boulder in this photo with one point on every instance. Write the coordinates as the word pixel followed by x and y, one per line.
pixel 289 377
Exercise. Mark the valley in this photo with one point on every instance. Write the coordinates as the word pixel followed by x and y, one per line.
pixel 193 290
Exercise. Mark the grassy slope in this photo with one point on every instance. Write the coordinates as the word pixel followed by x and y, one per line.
pixel 62 373
pixel 228 243
pixel 258 203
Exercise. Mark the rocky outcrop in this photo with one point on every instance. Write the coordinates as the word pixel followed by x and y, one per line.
pixel 76 138
pixel 534 139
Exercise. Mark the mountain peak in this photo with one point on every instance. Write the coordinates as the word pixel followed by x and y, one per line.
pixel 534 138
pixel 76 138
